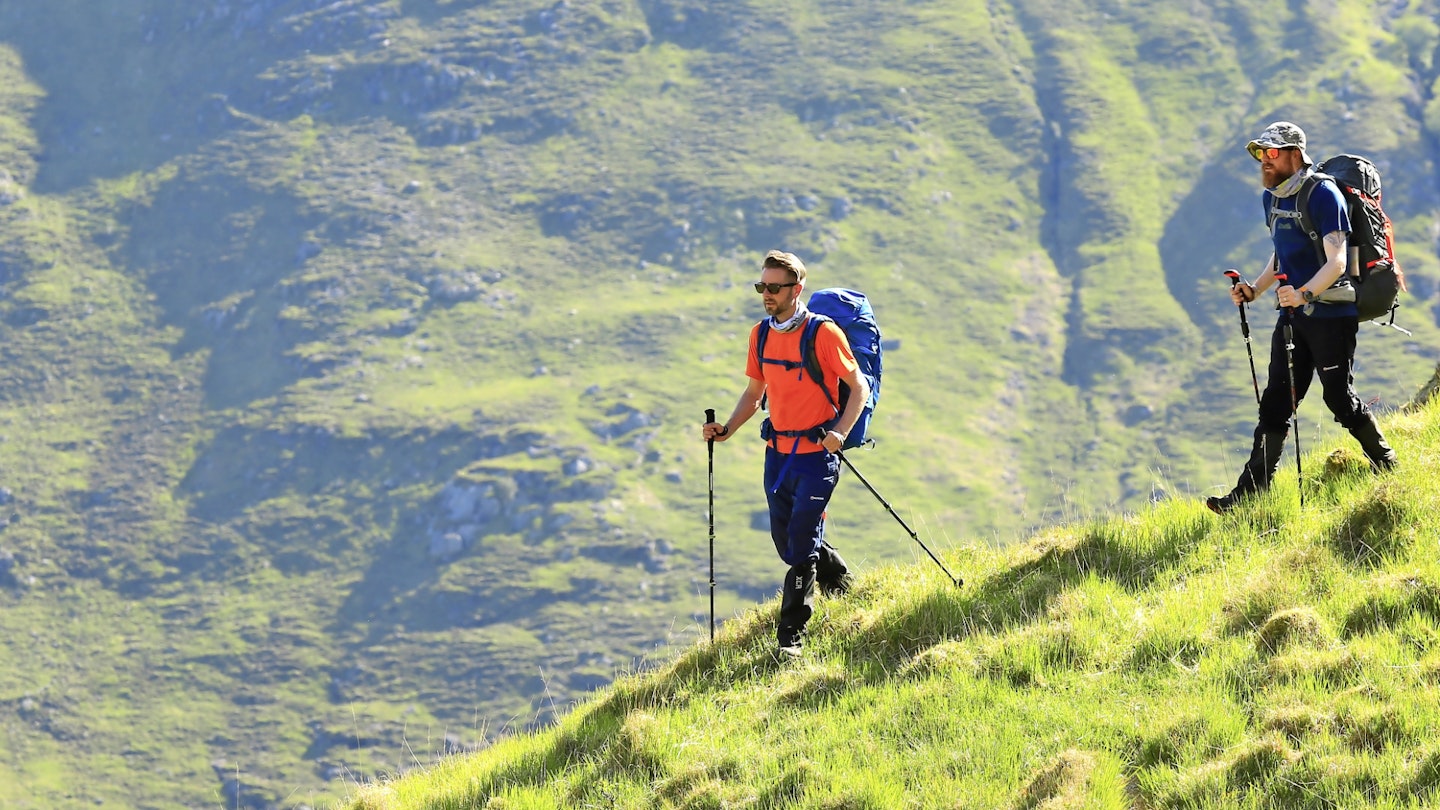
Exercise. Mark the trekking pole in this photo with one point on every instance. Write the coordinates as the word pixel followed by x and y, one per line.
pixel 1294 403
pixel 710 453
pixel 1234 277
pixel 958 582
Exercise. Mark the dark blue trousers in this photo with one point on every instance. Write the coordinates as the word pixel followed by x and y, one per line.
pixel 798 488
pixel 798 501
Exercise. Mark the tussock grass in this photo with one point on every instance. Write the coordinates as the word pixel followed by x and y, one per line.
pixel 1167 659
pixel 278 278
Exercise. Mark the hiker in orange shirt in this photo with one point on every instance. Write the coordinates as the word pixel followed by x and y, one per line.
pixel 804 435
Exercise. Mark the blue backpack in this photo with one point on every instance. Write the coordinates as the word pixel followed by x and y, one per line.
pixel 851 311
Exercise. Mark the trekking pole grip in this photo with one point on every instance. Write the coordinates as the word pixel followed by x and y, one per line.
pixel 709 415
pixel 1235 281
pixel 1282 279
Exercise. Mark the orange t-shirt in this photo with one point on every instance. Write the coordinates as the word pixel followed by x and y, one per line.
pixel 796 402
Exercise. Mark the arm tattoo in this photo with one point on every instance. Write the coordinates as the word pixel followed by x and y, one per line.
pixel 1335 238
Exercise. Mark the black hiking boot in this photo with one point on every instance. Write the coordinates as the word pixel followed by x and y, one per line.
pixel 1373 443
pixel 1259 470
pixel 790 643
pixel 839 586
pixel 797 603
pixel 1222 504
pixel 831 573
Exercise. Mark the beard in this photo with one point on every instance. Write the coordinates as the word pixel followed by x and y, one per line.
pixel 1271 177
pixel 774 307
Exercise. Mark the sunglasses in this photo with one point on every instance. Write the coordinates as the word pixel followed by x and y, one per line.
pixel 774 289
pixel 1269 153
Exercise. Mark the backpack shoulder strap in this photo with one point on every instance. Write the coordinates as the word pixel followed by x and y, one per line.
pixel 811 357
pixel 808 352
pixel 761 334
pixel 1302 207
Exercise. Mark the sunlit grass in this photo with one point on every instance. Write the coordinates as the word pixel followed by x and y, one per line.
pixel 1170 657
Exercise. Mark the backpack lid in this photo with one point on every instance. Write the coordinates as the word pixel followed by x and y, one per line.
pixel 1353 171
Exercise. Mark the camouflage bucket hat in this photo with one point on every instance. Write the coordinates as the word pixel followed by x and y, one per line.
pixel 1280 135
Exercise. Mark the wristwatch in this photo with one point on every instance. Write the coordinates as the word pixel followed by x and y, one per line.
pixel 1307 295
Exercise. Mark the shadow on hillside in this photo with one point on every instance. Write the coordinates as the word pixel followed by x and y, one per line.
pixel 129 91
pixel 121 96
pixel 242 469
pixel 1220 209
pixel 215 252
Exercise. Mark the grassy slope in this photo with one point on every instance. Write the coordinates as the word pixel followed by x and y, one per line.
pixel 238 230
pixel 1277 657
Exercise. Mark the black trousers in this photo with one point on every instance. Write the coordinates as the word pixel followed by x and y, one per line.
pixel 1324 347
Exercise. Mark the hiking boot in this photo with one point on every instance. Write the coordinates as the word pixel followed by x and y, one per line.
pixel 1367 433
pixel 797 600
pixel 831 573
pixel 839 586
pixel 789 642
pixel 1264 459
pixel 1221 505
pixel 1259 469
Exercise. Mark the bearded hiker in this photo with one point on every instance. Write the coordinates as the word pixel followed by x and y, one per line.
pixel 1317 309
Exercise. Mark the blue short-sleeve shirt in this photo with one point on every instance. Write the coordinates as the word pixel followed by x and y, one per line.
pixel 1295 252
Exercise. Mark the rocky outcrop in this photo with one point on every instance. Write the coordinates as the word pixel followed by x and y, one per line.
pixel 485 500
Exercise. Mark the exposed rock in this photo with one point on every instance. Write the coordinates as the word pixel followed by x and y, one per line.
pixel 446 546
pixel 630 421
pixel 455 286
pixel 1136 414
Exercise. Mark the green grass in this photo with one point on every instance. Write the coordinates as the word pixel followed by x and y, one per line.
pixel 276 279
pixel 1274 657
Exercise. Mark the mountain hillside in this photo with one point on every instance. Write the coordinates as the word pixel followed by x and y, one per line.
pixel 1278 657
pixel 354 351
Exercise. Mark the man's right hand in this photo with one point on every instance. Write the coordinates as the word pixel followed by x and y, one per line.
pixel 714 431
pixel 1242 293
